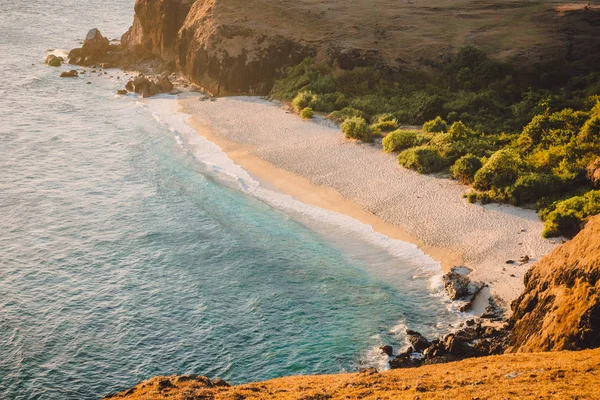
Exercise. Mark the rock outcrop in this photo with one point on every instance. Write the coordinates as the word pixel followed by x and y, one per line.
pixel 460 288
pixel 94 50
pixel 54 61
pixel 560 307
pixel 473 340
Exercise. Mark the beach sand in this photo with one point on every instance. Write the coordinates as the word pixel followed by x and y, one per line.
pixel 313 162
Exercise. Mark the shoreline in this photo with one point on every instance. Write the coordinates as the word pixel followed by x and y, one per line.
pixel 313 163
pixel 302 189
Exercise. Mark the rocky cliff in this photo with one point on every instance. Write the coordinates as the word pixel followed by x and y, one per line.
pixel 241 46
pixel 560 307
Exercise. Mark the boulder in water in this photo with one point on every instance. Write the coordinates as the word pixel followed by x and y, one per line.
pixel 417 341
pixel 54 61
pixel 69 74
pixel 387 350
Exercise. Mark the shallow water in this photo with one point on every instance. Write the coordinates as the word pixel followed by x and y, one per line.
pixel 125 253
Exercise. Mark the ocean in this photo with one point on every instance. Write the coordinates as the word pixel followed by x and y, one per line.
pixel 131 247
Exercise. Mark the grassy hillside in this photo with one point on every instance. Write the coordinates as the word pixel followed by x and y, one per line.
pixel 564 375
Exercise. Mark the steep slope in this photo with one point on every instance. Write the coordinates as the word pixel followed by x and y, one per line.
pixel 241 46
pixel 560 307
pixel 515 376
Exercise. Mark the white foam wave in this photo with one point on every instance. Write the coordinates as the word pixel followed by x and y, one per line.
pixel 215 162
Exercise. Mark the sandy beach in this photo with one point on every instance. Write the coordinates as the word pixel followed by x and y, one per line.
pixel 314 163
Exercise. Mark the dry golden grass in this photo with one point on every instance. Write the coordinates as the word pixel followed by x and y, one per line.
pixel 562 375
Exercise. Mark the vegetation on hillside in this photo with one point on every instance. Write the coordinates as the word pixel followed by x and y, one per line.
pixel 516 137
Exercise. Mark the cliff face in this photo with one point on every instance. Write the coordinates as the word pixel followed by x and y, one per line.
pixel 156 26
pixel 241 46
pixel 560 307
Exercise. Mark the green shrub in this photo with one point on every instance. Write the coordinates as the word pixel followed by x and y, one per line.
pixel 453 116
pixel 340 116
pixel 567 216
pixel 384 126
pixel 307 113
pixel 303 100
pixel 471 197
pixel 423 159
pixel 399 140
pixel 532 186
pixel 357 128
pixel 435 125
pixel 464 168
pixel 590 132
pixel 459 131
pixel 501 170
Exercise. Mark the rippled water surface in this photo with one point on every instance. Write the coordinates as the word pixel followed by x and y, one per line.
pixel 121 259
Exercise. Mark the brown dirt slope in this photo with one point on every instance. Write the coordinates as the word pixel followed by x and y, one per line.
pixel 240 46
pixel 560 307
pixel 564 375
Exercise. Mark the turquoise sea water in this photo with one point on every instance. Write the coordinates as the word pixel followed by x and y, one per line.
pixel 121 258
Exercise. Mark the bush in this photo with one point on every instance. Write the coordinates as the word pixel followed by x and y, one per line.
pixel 590 132
pixel 399 140
pixel 435 125
pixel 303 100
pixel 423 159
pixel 459 131
pixel 568 216
pixel 464 168
pixel 340 116
pixel 384 126
pixel 307 113
pixel 531 187
pixel 501 170
pixel 471 197
pixel 357 128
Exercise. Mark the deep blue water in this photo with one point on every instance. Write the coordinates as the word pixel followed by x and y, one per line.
pixel 120 259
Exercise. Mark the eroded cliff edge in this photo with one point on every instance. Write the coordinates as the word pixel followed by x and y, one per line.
pixel 241 47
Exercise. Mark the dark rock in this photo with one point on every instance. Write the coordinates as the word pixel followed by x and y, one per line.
pixel 165 384
pixel 510 262
pixel 154 89
pixel 141 85
pixel 54 61
pixel 387 349
pixel 456 284
pixel 494 310
pixel 417 341
pixel 368 371
pixel 220 383
pixel 165 84
pixel 122 92
pixel 459 287
pixel 75 56
pixel 70 74
pixel 196 378
pixel 95 46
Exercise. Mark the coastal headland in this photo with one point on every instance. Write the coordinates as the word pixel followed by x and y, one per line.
pixel 531 147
